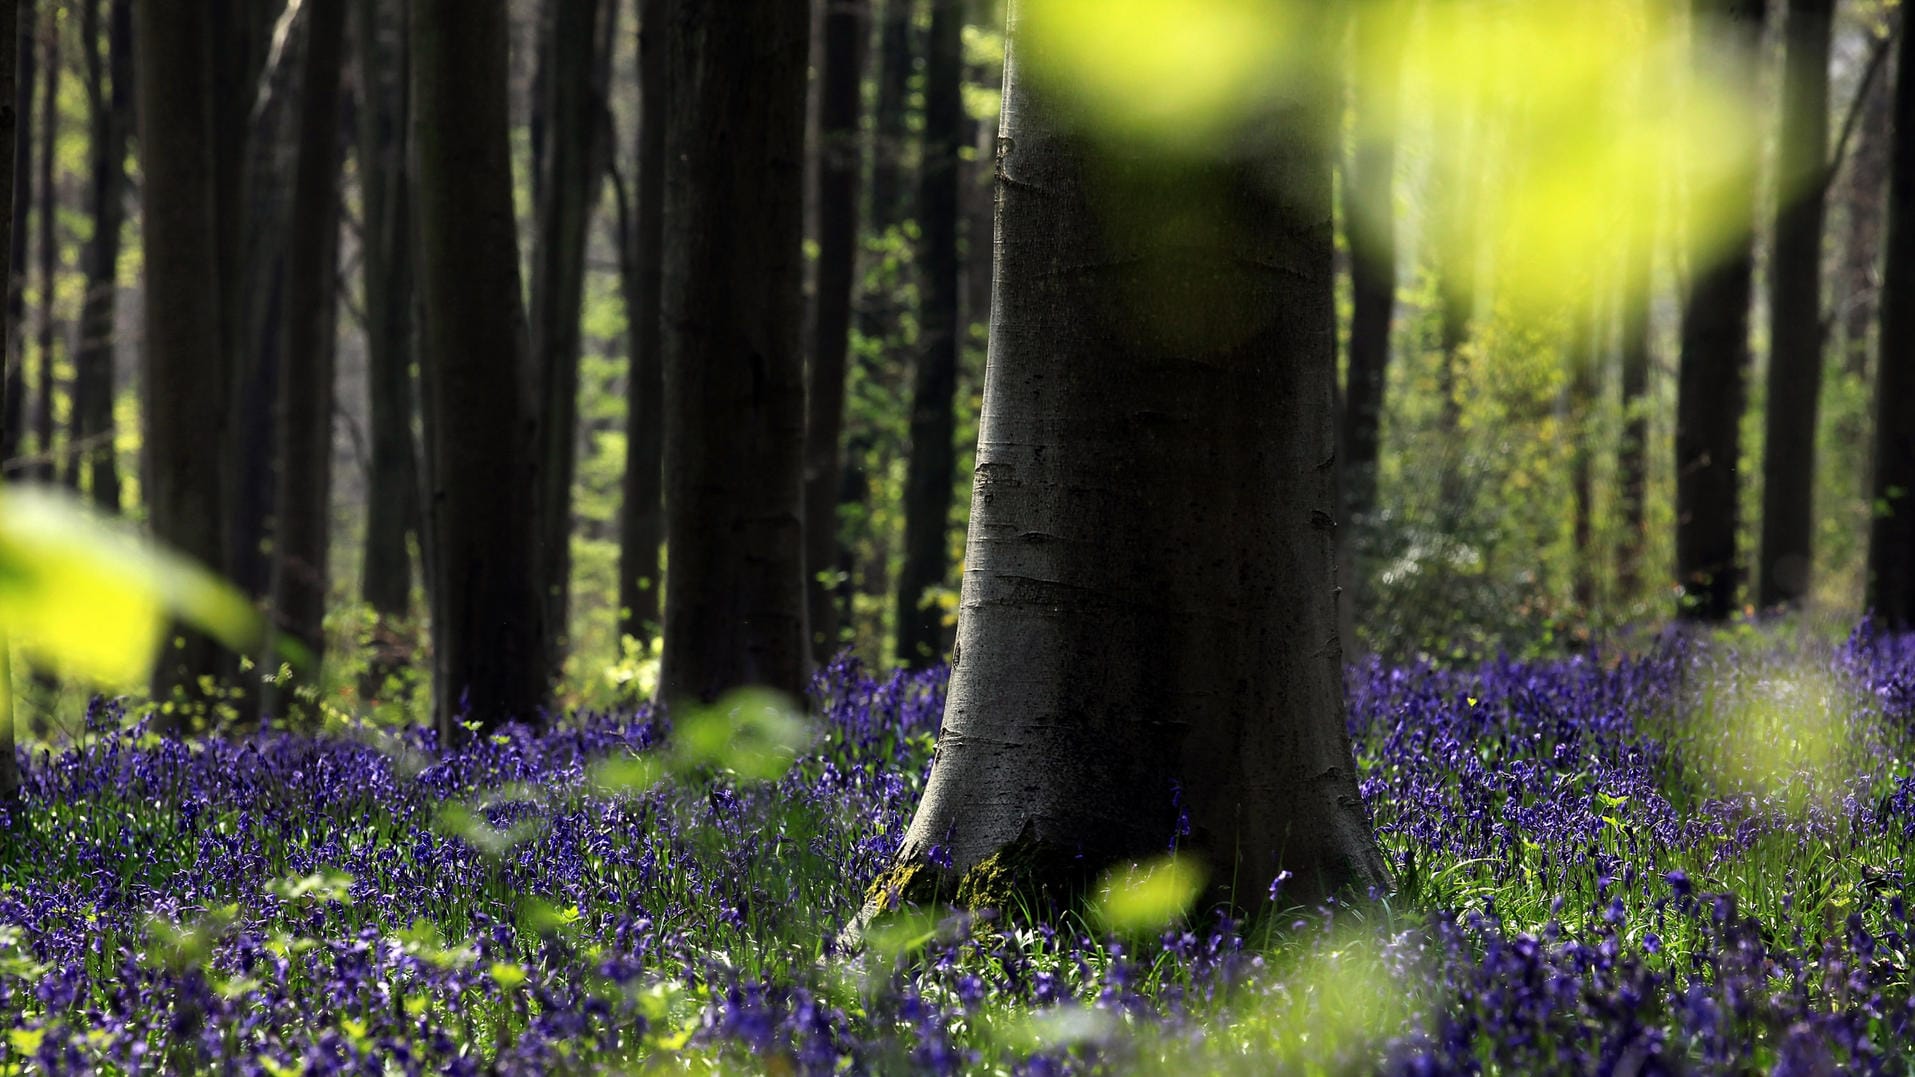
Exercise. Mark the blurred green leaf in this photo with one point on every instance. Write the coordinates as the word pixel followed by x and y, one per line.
pixel 1144 898
pixel 754 733
pixel 86 596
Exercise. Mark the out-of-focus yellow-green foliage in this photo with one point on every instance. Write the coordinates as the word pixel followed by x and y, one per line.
pixel 87 597
pixel 1140 899
pixel 1572 130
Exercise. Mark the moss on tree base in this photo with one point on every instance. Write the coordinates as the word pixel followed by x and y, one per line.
pixel 1027 878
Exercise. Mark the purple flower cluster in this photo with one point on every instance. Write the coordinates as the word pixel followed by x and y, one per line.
pixel 1589 881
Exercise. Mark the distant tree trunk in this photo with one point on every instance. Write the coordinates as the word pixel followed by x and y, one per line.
pixel 1859 284
pixel 574 174
pixel 186 413
pixel 302 505
pixel 1632 467
pixel 1795 312
pixel 1580 397
pixel 734 365
pixel 642 509
pixel 890 114
pixel 9 145
pixel 392 488
pixel 487 612
pixel 250 179
pixel 1148 629
pixel 929 481
pixel 47 468
pixel 840 163
pixel 1891 540
pixel 1372 235
pixel 1715 352
pixel 110 102
pixel 14 426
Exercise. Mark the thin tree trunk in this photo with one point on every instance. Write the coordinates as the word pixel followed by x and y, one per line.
pixel 840 164
pixel 1148 627
pixel 1891 540
pixel 897 60
pixel 1711 393
pixel 1372 236
pixel 186 413
pixel 392 489
pixel 642 510
pixel 13 428
pixel 1795 312
pixel 1858 287
pixel 929 480
pixel 487 612
pixel 47 467
pixel 10 62
pixel 302 505
pixel 574 173
pixel 1632 466
pixel 734 364
pixel 110 99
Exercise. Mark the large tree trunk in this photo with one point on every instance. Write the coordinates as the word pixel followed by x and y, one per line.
pixel 392 488
pixel 13 423
pixel 1795 312
pixel 890 200
pixel 932 471
pixel 487 613
pixel 110 101
pixel 46 467
pixel 1891 540
pixel 840 162
pixel 303 500
pixel 642 511
pixel 1148 627
pixel 574 173
pixel 9 131
pixel 186 413
pixel 1715 350
pixel 734 366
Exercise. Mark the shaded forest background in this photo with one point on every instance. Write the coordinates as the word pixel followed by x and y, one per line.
pixel 1524 491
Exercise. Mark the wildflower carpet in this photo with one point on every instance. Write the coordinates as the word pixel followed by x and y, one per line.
pixel 1689 861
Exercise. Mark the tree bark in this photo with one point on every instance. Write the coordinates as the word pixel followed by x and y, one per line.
pixel 10 126
pixel 1148 626
pixel 186 388
pixel 13 428
pixel 303 499
pixel 487 615
pixel 840 163
pixel 734 365
pixel 1859 286
pixel 110 102
pixel 890 203
pixel 392 489
pixel 1795 312
pixel 46 468
pixel 1711 391
pixel 1632 465
pixel 1891 540
pixel 642 510
pixel 574 173
pixel 932 470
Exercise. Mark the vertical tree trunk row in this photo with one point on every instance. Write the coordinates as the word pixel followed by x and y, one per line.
pixel 734 363
pixel 1891 540
pixel 487 613
pixel 303 497
pixel 642 509
pixel 840 164
pixel 1795 311
pixel 572 176
pixel 932 471
pixel 46 468
pixel 110 103
pixel 1711 390
pixel 392 492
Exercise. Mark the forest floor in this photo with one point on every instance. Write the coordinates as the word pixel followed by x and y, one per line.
pixel 1689 860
